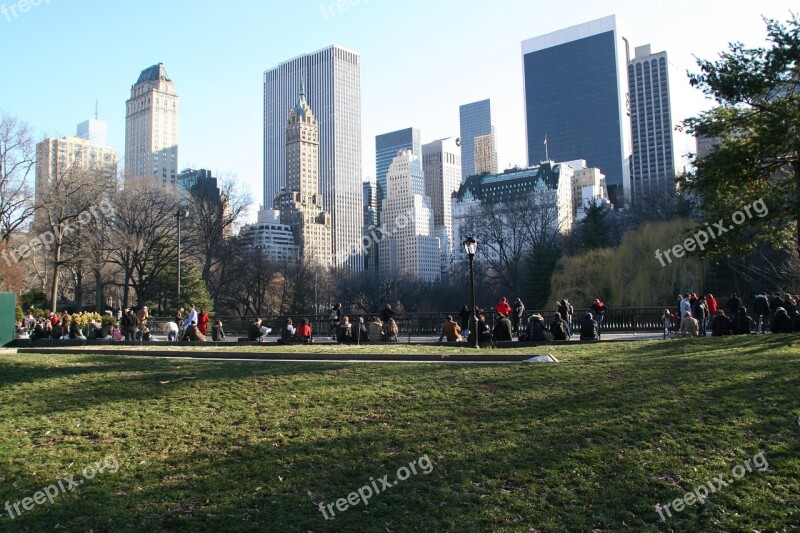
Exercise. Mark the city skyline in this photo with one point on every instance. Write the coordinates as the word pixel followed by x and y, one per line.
pixel 218 80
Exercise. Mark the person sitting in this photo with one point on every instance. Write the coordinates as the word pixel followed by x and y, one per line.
pixel 116 334
pixel 344 334
pixel 263 333
pixel 303 333
pixel 254 330
pixel 503 330
pixel 689 325
pixel 375 330
pixel 361 333
pixel 743 325
pixel 20 333
pixel 287 333
pixel 721 324
pixel 217 333
pixel 75 332
pixel 451 330
pixel 193 334
pixel 391 330
pixel 590 329
pixel 38 331
pixel 172 331
pixel 559 328
pixel 781 323
pixel 537 329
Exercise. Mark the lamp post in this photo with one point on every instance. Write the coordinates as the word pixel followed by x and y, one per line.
pixel 471 247
pixel 180 214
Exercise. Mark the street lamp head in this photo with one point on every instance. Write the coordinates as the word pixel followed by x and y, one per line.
pixel 471 246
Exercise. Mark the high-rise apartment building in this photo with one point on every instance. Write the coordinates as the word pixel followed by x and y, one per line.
pixel 576 97
pixel 441 163
pixel 151 127
pixel 95 131
pixel 68 157
pixel 410 245
pixel 300 202
pixel 332 79
pixel 476 122
pixel 387 146
pixel 270 238
pixel 653 168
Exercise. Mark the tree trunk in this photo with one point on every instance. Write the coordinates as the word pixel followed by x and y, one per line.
pixel 54 285
pixel 796 168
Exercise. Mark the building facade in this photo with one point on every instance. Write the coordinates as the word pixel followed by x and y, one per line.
pixel 408 244
pixel 476 121
pixel 151 127
pixel 270 238
pixel 332 77
pixel 576 98
pixel 72 157
pixel 588 187
pixel 387 146
pixel 441 164
pixel 653 165
pixel 300 202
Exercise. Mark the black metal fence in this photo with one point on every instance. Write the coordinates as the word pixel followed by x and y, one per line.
pixel 626 320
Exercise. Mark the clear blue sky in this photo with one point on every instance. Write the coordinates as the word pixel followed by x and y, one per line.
pixel 421 60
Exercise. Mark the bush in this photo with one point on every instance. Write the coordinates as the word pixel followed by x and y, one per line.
pixel 20 315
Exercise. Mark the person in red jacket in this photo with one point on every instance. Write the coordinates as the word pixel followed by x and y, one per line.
pixel 712 305
pixel 202 322
pixel 502 307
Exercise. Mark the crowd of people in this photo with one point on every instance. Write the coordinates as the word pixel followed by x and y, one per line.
pixel 699 315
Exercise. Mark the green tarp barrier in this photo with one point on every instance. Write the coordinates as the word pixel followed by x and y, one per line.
pixel 8 317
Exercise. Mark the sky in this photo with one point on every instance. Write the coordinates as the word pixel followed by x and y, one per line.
pixel 421 59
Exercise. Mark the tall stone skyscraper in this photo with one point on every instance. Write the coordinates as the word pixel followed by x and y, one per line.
pixel 387 146
pixel 333 79
pixel 300 203
pixel 441 163
pixel 653 169
pixel 410 245
pixel 576 97
pixel 151 127
pixel 478 143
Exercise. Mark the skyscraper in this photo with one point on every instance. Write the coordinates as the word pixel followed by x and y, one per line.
pixel 300 203
pixel 410 245
pixel 332 79
pixel 151 127
pixel 476 121
pixel 441 163
pixel 576 97
pixel 653 168
pixel 387 146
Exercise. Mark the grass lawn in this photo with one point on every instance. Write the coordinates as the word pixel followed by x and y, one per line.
pixel 590 444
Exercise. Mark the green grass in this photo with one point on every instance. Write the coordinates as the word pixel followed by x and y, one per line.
pixel 591 444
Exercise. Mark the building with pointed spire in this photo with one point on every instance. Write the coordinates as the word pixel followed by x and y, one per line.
pixel 151 127
pixel 300 202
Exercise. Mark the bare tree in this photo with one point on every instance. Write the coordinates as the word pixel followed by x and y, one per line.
pixel 143 240
pixel 17 160
pixel 213 219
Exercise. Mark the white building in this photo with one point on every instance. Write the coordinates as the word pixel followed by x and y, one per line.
pixel 408 243
pixel 588 187
pixel 95 131
pixel 151 127
pixel 548 186
pixel 441 163
pixel 270 238
pixel 332 78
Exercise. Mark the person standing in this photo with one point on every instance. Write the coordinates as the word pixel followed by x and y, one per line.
pixel 599 311
pixel 517 315
pixel 502 308
pixel 217 333
pixel 191 319
pixel 202 322
pixel 386 315
pixel 761 309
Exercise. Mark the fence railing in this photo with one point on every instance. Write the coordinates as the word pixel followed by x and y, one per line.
pixel 632 319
